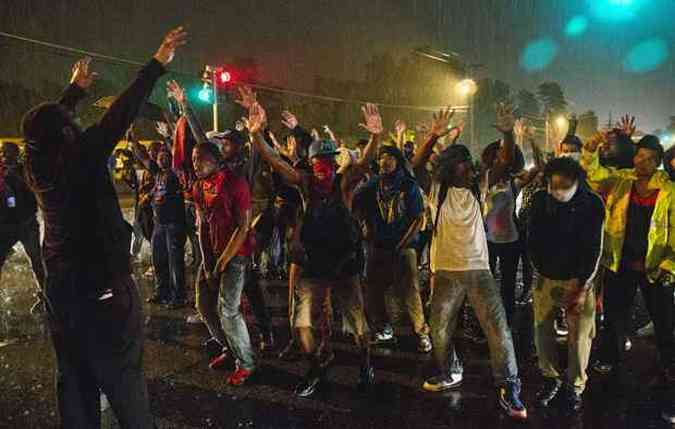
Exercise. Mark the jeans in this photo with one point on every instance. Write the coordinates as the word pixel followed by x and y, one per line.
pixel 207 305
pixel 400 271
pixel 450 290
pixel 99 347
pixel 28 234
pixel 507 254
pixel 232 282
pixel 618 294
pixel 168 259
pixel 548 295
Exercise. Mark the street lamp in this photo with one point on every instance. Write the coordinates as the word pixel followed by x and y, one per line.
pixel 467 88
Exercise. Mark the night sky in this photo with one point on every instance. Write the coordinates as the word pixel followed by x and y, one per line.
pixel 295 40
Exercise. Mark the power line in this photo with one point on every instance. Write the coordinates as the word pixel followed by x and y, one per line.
pixel 109 58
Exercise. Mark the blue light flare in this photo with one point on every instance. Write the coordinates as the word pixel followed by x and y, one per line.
pixel 646 56
pixel 576 26
pixel 538 55
pixel 616 10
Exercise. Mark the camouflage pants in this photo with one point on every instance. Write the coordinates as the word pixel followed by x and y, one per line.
pixel 449 292
pixel 548 298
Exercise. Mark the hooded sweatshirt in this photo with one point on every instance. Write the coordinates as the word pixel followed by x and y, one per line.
pixel 565 239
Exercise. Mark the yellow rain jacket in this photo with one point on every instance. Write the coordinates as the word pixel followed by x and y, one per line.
pixel 618 184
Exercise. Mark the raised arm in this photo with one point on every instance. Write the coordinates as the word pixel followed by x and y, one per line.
pixel 141 154
pixel 597 176
pixel 175 91
pixel 80 81
pixel 439 128
pixel 507 150
pixel 256 123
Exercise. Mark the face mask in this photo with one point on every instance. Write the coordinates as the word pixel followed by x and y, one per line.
pixel 324 168
pixel 573 155
pixel 563 196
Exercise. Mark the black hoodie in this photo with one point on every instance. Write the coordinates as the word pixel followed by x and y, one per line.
pixel 565 239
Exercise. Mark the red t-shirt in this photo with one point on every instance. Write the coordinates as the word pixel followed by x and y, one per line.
pixel 217 199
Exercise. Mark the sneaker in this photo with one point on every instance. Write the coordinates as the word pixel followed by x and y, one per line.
pixel 668 414
pixel 646 331
pixel 548 392
pixel 366 379
pixel 627 345
pixel 560 325
pixel 509 401
pixel 384 336
pixel 219 361
pixel 424 345
pixel 442 382
pixel 571 401
pixel 602 368
pixel 195 319
pixel 308 386
pixel 239 377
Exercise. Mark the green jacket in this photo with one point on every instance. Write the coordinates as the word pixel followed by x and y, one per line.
pixel 617 185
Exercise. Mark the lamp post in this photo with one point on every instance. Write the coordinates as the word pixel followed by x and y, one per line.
pixel 467 88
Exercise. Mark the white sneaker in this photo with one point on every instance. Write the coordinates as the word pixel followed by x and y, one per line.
pixel 441 383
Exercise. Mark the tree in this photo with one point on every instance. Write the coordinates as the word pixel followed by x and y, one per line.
pixel 528 105
pixel 552 97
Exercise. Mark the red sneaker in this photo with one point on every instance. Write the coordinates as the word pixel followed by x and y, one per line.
pixel 239 377
pixel 219 361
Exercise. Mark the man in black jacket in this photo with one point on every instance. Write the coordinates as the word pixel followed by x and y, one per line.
pixel 93 304
pixel 18 211
pixel 564 244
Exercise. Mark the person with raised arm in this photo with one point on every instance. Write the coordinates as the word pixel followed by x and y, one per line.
pixel 460 265
pixel 93 306
pixel 327 244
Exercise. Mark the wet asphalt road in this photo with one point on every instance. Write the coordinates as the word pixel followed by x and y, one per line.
pixel 186 394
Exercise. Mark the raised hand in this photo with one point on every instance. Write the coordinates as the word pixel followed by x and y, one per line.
pixel 372 119
pixel 162 129
pixel 175 38
pixel 506 119
pixel 81 76
pixel 247 97
pixel 289 120
pixel 441 122
pixel 315 134
pixel 257 118
pixel 591 145
pixel 174 90
pixel 627 125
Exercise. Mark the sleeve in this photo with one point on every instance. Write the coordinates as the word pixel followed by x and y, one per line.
pixel 668 262
pixel 71 96
pixel 241 194
pixel 536 229
pixel 124 109
pixel 597 176
pixel 591 244
pixel 414 202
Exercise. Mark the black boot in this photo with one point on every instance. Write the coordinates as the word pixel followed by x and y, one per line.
pixel 570 402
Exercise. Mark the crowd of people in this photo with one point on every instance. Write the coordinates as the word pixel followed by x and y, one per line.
pixel 594 222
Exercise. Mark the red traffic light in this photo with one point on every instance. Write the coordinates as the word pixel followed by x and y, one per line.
pixel 224 76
